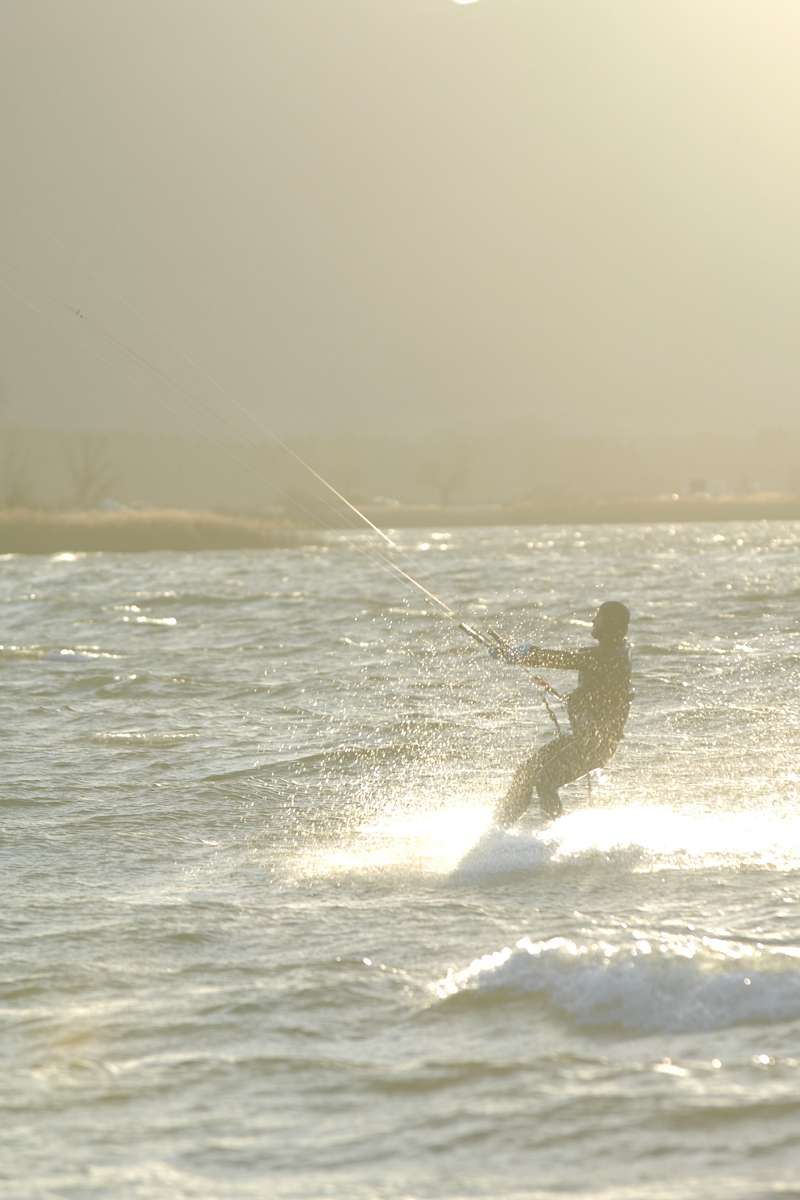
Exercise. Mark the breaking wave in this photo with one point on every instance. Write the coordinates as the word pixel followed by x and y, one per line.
pixel 678 985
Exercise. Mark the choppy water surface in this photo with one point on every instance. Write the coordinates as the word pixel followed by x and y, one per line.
pixel 247 951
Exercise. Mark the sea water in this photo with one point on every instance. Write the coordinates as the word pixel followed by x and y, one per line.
pixel 258 941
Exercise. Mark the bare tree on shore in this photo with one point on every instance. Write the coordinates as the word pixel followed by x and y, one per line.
pixel 14 484
pixel 91 470
pixel 447 473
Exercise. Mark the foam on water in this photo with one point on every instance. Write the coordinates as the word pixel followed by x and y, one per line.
pixel 673 985
pixel 646 838
pixel 504 852
pixel 424 834
pixel 686 838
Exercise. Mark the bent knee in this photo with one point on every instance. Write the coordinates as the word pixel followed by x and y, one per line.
pixel 597 755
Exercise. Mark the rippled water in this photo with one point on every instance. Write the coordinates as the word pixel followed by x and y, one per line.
pixel 256 943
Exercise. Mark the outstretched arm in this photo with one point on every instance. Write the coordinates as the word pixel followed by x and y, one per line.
pixel 563 660
pixel 524 654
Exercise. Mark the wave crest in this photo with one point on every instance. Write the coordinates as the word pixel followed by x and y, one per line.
pixel 679 985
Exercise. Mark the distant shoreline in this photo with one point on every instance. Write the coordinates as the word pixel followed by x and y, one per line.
pixel 35 532
pixel 131 531
pixel 602 512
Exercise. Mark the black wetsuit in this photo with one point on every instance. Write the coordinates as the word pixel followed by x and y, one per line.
pixel 597 712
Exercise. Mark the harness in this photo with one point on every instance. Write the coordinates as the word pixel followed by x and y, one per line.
pixel 546 690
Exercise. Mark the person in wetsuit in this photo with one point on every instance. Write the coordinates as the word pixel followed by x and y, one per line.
pixel 597 712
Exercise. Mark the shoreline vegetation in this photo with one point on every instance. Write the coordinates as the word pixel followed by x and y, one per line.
pixel 31 531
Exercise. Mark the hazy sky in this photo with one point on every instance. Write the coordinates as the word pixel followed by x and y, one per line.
pixel 412 213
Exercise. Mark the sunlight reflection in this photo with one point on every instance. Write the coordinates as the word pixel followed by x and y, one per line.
pixel 407 838
pixel 441 839
pixel 681 839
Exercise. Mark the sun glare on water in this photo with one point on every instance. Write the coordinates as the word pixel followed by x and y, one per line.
pixel 670 838
pixel 407 838
pixel 459 841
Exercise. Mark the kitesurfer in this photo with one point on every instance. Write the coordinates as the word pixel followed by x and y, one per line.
pixel 597 712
